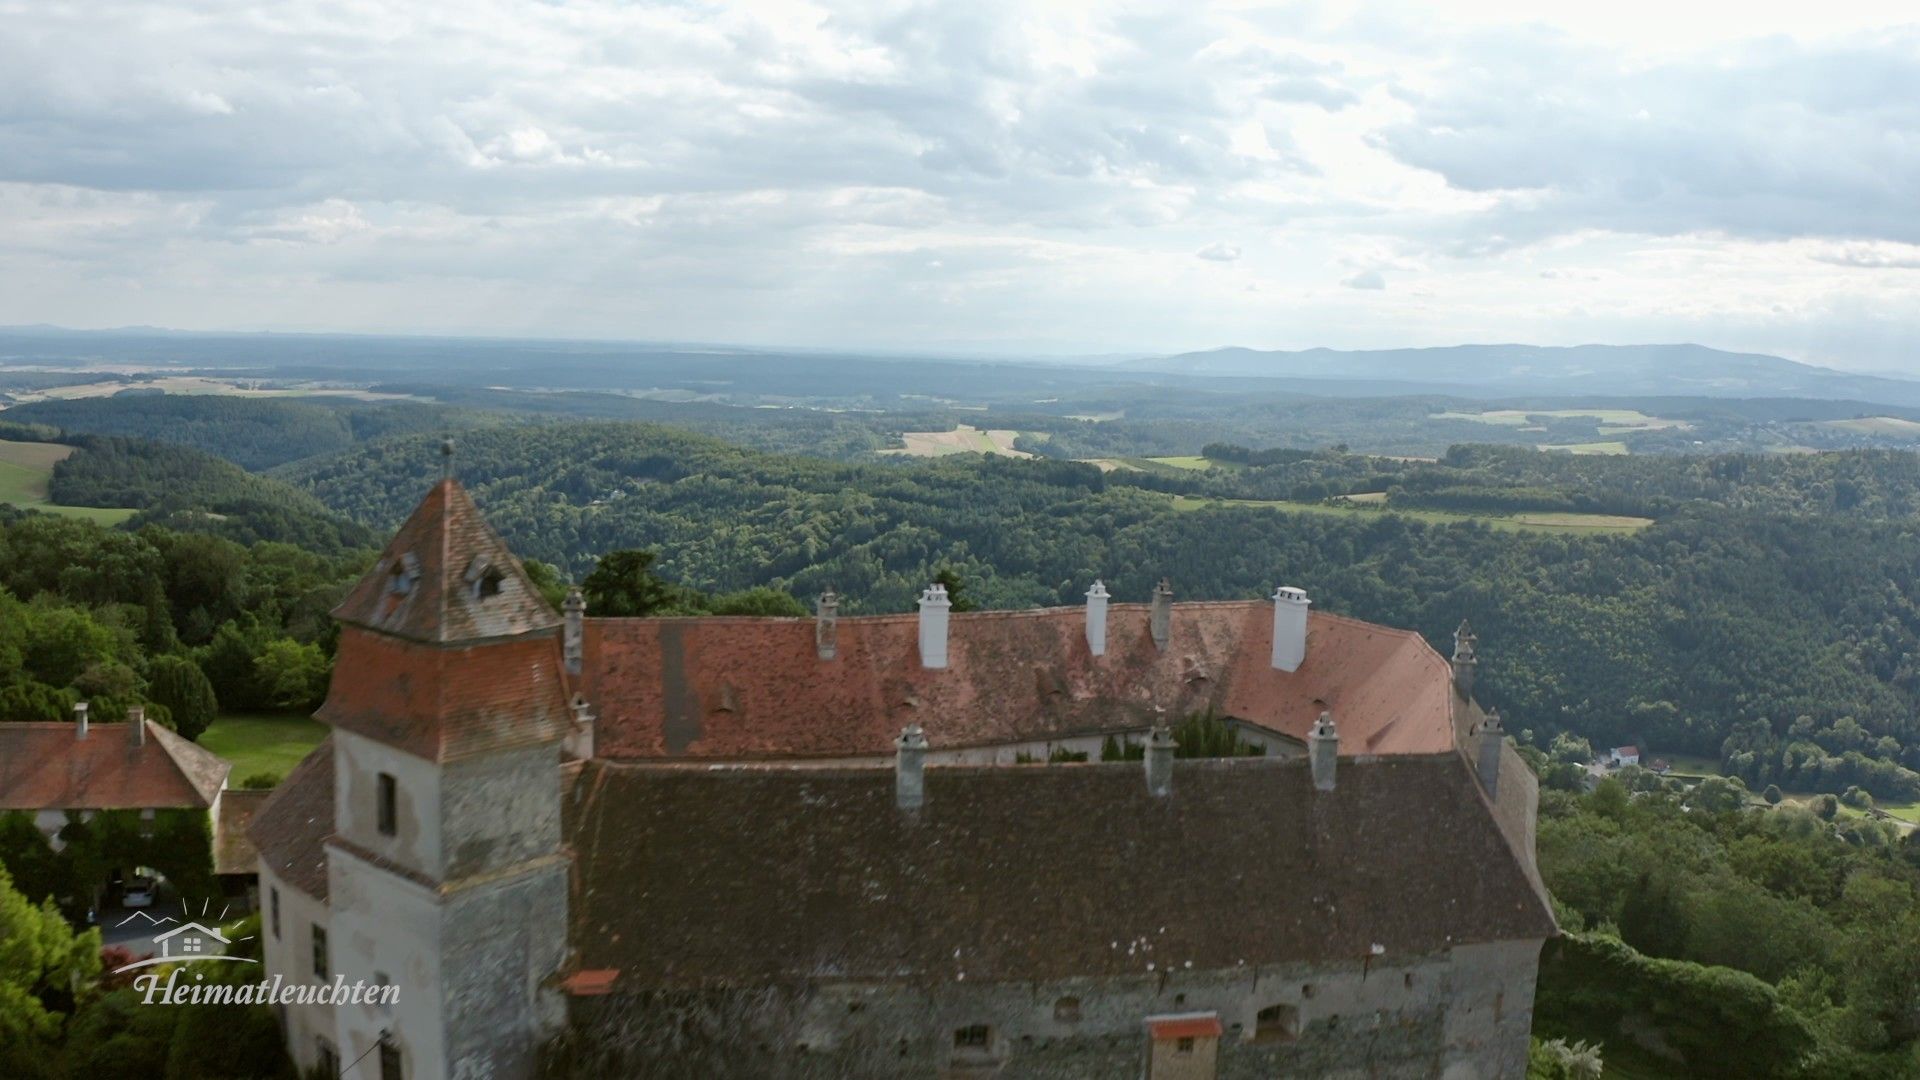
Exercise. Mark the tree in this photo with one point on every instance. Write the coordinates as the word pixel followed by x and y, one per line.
pixel 760 600
pixel 42 961
pixel 292 675
pixel 949 579
pixel 623 584
pixel 180 685
pixel 1772 795
pixel 1827 807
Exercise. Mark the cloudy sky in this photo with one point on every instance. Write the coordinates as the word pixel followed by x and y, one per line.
pixel 968 175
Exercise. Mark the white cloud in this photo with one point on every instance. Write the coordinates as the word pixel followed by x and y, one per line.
pixel 985 174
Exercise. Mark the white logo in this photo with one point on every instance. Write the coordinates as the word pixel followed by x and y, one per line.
pixel 185 943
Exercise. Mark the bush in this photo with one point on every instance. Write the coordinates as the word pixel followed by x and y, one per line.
pixel 1772 794
pixel 180 685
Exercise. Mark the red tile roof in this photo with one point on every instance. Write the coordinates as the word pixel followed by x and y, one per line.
pixel 756 688
pixel 43 766
pixel 290 829
pixel 1184 1026
pixel 442 703
pixel 426 586
pixel 233 851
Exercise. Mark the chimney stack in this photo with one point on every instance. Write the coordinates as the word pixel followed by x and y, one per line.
pixel 573 639
pixel 1323 751
pixel 910 768
pixel 1289 628
pixel 1492 737
pixel 579 739
pixel 1097 619
pixel 826 616
pixel 1465 658
pixel 1160 616
pixel 137 721
pixel 933 626
pixel 1159 759
pixel 79 719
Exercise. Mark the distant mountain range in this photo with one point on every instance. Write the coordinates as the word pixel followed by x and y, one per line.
pixel 1502 370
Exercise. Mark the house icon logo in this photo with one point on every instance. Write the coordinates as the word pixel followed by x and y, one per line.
pixel 183 944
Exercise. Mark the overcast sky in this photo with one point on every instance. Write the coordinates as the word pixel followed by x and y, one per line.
pixel 971 175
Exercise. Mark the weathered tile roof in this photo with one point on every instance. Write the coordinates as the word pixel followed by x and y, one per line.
pixel 443 703
pixel 752 688
pixel 233 851
pixel 427 585
pixel 707 876
pixel 44 766
pixel 290 829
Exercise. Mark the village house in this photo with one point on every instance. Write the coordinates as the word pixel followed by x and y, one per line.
pixel 815 846
pixel 73 771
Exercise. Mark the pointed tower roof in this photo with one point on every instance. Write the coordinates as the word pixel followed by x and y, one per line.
pixel 447 578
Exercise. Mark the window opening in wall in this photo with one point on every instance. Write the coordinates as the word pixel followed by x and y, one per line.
pixel 1276 1023
pixel 1409 980
pixel 329 1058
pixel 976 1037
pixel 319 952
pixel 1067 1010
pixel 488 586
pixel 273 902
pixel 389 797
pixel 1184 1045
pixel 1306 991
pixel 389 1059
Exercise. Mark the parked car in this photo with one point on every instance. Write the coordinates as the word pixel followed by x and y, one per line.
pixel 139 893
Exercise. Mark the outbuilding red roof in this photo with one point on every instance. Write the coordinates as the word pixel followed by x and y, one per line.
pixel 1184 1026
pixel 756 688
pixel 46 766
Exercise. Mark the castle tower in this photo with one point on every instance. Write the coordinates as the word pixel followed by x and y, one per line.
pixel 446 872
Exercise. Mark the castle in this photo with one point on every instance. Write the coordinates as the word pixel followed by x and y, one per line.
pixel 870 846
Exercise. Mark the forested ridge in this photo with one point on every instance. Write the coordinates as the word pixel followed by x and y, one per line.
pixel 1739 605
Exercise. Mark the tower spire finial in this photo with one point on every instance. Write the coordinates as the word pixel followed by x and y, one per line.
pixel 446 459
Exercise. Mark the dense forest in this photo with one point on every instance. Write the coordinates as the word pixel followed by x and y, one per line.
pixel 1741 942
pixel 1739 605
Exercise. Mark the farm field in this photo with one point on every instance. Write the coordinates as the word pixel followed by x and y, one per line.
pixel 262 742
pixel 964 439
pixel 25 468
pixel 1619 420
pixel 201 385
pixel 1534 522
pixel 1875 425
pixel 1585 447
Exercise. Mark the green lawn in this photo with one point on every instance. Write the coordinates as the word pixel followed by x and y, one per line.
pixel 1532 522
pixel 262 742
pixel 1691 765
pixel 25 468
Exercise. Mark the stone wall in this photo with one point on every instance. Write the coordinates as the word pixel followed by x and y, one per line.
pixel 1463 1014
pixel 500 810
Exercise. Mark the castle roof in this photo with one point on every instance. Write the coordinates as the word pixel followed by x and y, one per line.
pixel 756 687
pixel 448 650
pixel 290 829
pixel 690 877
pixel 447 578
pixel 45 766
pixel 233 850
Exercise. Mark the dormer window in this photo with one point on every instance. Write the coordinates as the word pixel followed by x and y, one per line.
pixel 403 575
pixel 484 578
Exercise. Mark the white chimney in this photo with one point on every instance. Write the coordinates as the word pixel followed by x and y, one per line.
pixel 933 626
pixel 1159 760
pixel 137 720
pixel 910 768
pixel 573 633
pixel 578 743
pixel 1492 736
pixel 826 620
pixel 79 719
pixel 1097 619
pixel 1160 615
pixel 1323 752
pixel 1289 627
